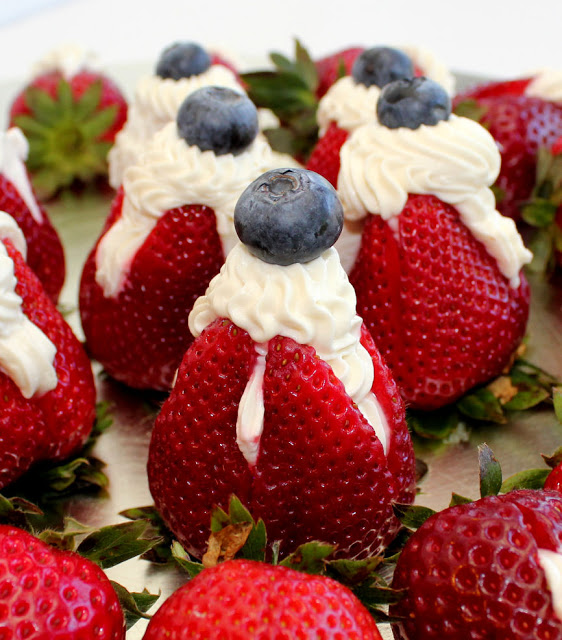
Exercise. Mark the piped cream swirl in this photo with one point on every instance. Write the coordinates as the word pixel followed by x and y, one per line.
pixel 69 59
pixel 171 174
pixel 156 103
pixel 26 353
pixel 551 563
pixel 547 84
pixel 455 160
pixel 312 303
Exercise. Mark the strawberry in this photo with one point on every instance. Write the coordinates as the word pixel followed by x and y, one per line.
pixel 243 599
pixel 332 67
pixel 483 570
pixel 553 481
pixel 522 122
pixel 169 230
pixel 257 411
pixel 45 254
pixel 70 116
pixel 436 352
pixel 51 419
pixel 47 593
pixel 443 307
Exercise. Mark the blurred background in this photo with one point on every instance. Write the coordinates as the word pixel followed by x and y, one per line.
pixel 497 38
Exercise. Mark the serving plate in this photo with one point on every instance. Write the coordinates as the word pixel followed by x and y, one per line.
pixel 452 466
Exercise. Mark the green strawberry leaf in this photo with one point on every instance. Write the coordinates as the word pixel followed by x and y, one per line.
pixel 554 459
pixel 160 553
pixel 412 516
pixel 182 558
pixel 557 399
pixel 528 479
pixel 434 425
pixel 98 123
pixel 539 213
pixel 527 399
pixel 134 605
pixel 64 96
pixel 470 109
pixel 352 572
pixel 88 102
pixel 83 472
pixel 44 109
pixel 114 544
pixel 490 472
pixel 482 405
pixel 457 499
pixel 309 557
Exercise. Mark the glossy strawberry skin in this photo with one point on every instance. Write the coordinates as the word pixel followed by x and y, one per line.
pixel 111 95
pixel 321 472
pixel 553 481
pixel 472 571
pixel 329 68
pixel 45 254
pixel 141 335
pixel 520 126
pixel 243 599
pixel 498 89
pixel 439 310
pixel 325 156
pixel 57 424
pixel 46 593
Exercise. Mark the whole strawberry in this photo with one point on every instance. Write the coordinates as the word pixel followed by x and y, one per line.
pixel 46 379
pixel 244 599
pixel 169 230
pixel 45 254
pixel 283 399
pixel 182 68
pixel 523 116
pixel 488 569
pixel 47 593
pixel 436 268
pixel 332 67
pixel 70 112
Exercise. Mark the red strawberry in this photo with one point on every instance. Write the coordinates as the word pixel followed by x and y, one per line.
pixel 325 157
pixel 244 599
pixel 521 125
pixel 478 571
pixel 71 122
pixel 56 424
pixel 140 335
pixel 443 316
pixel 317 468
pixel 334 66
pixel 47 593
pixel 554 479
pixel 45 253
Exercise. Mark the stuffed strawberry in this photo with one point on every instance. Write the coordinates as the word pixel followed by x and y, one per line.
pixel 45 254
pixel 523 116
pixel 436 268
pixel 244 599
pixel 489 569
pixel 169 231
pixel 46 380
pixel 181 69
pixel 70 112
pixel 351 101
pixel 47 593
pixel 283 399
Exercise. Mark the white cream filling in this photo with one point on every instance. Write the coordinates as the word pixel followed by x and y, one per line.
pixel 172 174
pixel 69 59
pixel 312 303
pixel 551 563
pixel 156 103
pixel 546 84
pixel 455 160
pixel 13 154
pixel 26 354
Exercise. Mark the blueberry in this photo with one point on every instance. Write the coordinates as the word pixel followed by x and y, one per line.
pixel 288 216
pixel 218 119
pixel 183 60
pixel 381 65
pixel 413 102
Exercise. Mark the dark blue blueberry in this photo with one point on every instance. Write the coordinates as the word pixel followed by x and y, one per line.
pixel 381 65
pixel 413 102
pixel 183 60
pixel 218 119
pixel 288 216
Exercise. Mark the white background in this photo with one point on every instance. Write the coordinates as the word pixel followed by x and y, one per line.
pixel 492 37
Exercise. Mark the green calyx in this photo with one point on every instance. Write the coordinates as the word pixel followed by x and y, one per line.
pixel 65 137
